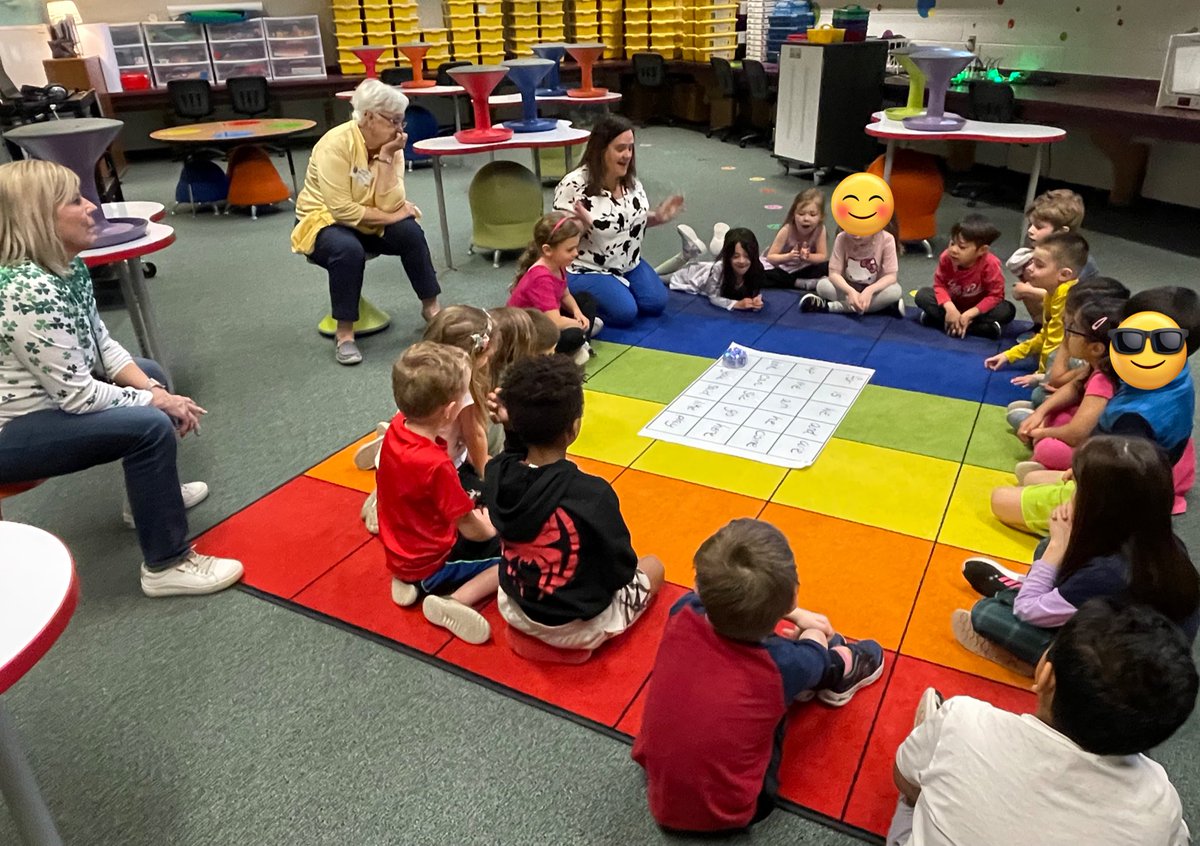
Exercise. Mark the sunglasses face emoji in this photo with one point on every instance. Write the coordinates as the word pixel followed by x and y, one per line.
pixel 1148 350
pixel 863 204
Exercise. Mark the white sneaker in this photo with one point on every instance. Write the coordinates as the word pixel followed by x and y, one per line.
pixel 597 327
pixel 367 454
pixel 929 702
pixel 900 308
pixel 463 621
pixel 194 575
pixel 404 594
pixel 693 247
pixel 194 493
pixel 582 355
pixel 370 512
pixel 718 239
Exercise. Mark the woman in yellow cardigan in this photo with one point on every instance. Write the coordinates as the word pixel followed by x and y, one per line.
pixel 353 204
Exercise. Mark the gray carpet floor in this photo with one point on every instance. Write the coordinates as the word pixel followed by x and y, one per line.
pixel 230 720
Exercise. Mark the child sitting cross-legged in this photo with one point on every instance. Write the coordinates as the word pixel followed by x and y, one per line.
pixel 1113 539
pixel 434 537
pixel 1116 682
pixel 712 733
pixel 967 297
pixel 800 252
pixel 863 276
pixel 569 576
pixel 1057 210
pixel 1054 268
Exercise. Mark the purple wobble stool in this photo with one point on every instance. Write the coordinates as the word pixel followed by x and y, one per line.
pixel 78 143
pixel 939 66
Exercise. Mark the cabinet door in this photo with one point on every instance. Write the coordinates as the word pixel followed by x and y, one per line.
pixel 799 99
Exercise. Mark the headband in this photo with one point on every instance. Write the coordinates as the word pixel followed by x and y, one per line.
pixel 561 221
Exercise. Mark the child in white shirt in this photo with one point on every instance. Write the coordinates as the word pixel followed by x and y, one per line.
pixel 1115 682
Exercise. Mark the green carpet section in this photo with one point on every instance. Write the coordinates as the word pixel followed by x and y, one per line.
pixel 938 427
pixel 993 443
pixel 649 374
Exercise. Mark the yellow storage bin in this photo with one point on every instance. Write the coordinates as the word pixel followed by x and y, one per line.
pixel 637 16
pixel 488 29
pixel 460 7
pixel 404 7
pixel 493 58
pixel 348 28
pixel 722 39
pixel 727 10
pixel 713 27
pixel 435 36
pixel 346 40
pixel 377 12
pixel 552 19
pixel 553 33
pixel 379 28
pixel 524 33
pixel 525 19
pixel 346 14
pixel 491 45
pixel 610 6
pixel 525 7
pixel 638 29
pixel 703 54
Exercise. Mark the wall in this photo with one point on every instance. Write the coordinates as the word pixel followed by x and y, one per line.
pixel 1101 37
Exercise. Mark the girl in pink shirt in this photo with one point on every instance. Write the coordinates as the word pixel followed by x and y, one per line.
pixel 1069 415
pixel 541 283
pixel 863 277
pixel 800 252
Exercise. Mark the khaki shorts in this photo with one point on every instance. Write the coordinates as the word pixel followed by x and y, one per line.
pixel 1039 501
pixel 626 607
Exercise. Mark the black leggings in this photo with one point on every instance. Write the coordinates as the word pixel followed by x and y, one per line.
pixel 777 277
pixel 570 340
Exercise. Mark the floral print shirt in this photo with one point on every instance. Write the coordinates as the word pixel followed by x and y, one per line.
pixel 614 243
pixel 51 339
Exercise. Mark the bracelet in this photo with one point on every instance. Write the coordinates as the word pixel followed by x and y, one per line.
pixel 154 383
pixel 385 161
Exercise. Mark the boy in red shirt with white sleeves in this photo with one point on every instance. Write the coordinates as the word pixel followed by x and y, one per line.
pixel 967 297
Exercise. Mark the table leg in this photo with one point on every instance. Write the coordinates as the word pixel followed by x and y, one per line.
pixel 34 824
pixel 292 170
pixel 141 313
pixel 537 164
pixel 457 115
pixel 441 198
pixel 888 158
pixel 1031 191
pixel 570 164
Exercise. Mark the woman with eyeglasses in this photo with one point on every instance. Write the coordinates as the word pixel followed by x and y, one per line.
pixel 353 205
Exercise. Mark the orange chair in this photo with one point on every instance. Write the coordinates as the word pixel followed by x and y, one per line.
pixel 918 187
pixel 14 488
pixel 532 649
pixel 253 179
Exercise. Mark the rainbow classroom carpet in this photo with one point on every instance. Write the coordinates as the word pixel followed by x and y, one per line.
pixel 880 525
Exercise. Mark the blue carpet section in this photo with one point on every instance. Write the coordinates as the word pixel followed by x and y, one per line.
pixel 903 353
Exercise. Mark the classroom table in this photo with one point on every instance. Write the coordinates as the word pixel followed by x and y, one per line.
pixel 456 91
pixel 38 595
pixel 127 258
pixel 564 136
pixel 234 132
pixel 973 130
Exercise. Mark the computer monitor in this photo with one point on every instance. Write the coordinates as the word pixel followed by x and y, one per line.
pixel 1180 87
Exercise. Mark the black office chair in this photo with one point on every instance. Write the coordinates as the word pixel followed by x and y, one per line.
pixel 759 86
pixel 443 77
pixel 191 99
pixel 650 82
pixel 727 91
pixel 395 76
pixel 249 96
pixel 994 102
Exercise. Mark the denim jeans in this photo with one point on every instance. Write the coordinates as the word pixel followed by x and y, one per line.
pixel 55 443
pixel 620 306
pixel 343 251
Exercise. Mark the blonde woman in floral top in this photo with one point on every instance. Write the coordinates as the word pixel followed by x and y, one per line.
pixel 57 416
pixel 609 200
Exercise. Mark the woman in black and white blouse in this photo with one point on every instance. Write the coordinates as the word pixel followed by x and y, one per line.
pixel 605 193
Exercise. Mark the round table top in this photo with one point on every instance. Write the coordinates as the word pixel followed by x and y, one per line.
pixel 66 126
pixel 974 130
pixel 38 594
pixel 145 209
pixel 253 129
pixel 157 237
pixel 564 135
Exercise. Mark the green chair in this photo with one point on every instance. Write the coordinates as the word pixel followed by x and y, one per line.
pixel 371 318
pixel 506 202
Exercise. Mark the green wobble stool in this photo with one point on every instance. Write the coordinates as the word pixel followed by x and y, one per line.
pixel 371 319
pixel 916 87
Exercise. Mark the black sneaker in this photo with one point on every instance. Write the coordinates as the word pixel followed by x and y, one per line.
pixel 865 668
pixel 988 578
pixel 922 318
pixel 834 642
pixel 989 329
pixel 813 302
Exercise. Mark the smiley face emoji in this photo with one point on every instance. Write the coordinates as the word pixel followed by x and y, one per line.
pixel 1148 350
pixel 863 204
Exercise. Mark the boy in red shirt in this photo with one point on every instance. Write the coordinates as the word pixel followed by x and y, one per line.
pixel 967 296
pixel 434 537
pixel 716 705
